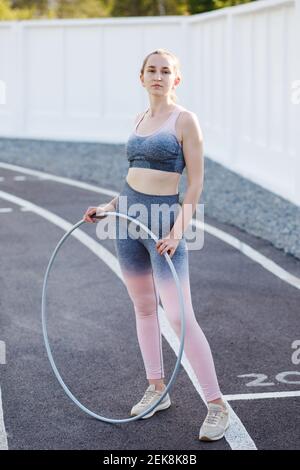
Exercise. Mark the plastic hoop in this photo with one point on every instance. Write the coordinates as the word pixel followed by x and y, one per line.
pixel 45 334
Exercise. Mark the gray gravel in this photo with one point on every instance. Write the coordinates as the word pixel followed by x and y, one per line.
pixel 228 197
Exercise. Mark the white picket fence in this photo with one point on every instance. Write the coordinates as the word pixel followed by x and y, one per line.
pixel 79 80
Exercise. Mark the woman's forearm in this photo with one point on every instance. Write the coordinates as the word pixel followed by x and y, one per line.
pixel 186 212
pixel 112 203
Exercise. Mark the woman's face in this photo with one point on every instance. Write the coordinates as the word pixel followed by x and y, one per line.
pixel 159 70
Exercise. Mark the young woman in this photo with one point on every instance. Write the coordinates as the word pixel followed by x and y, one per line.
pixel 166 138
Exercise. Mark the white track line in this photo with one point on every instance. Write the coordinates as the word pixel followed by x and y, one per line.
pixel 262 395
pixel 245 249
pixel 2 352
pixel 237 436
pixel 251 253
pixel 5 209
pixel 3 435
pixel 20 178
pixel 57 179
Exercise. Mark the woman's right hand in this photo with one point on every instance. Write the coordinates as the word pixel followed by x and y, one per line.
pixel 96 211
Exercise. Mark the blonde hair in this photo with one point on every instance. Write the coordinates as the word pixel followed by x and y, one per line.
pixel 176 66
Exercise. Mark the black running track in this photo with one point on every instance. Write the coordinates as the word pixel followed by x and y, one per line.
pixel 249 315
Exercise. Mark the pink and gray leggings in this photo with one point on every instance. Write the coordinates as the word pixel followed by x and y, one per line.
pixel 147 277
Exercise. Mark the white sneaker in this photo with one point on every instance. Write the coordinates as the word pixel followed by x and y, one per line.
pixel 150 397
pixel 215 423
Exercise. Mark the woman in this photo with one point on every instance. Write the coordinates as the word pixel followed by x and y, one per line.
pixel 167 137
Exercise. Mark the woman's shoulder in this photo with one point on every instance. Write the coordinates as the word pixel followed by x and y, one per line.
pixel 188 121
pixel 186 116
pixel 185 111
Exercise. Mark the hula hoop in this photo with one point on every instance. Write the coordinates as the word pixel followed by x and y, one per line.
pixel 45 333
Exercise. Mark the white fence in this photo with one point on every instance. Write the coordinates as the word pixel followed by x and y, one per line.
pixel 79 80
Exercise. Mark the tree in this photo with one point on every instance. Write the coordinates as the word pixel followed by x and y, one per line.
pixel 148 7
pixel 8 13
pixel 23 9
pixel 201 6
pixel 82 9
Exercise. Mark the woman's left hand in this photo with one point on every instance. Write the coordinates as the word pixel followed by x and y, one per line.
pixel 168 245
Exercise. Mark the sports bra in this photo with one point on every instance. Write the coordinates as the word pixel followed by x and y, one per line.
pixel 159 150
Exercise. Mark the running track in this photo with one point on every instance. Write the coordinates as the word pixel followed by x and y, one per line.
pixel 245 295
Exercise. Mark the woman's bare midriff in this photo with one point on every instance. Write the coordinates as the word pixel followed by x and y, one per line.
pixel 149 181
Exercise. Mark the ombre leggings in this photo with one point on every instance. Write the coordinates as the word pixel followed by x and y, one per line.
pixel 147 276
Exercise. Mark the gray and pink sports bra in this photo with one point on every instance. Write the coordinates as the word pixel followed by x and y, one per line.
pixel 159 150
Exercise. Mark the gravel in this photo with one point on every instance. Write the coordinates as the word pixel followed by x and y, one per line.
pixel 228 197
